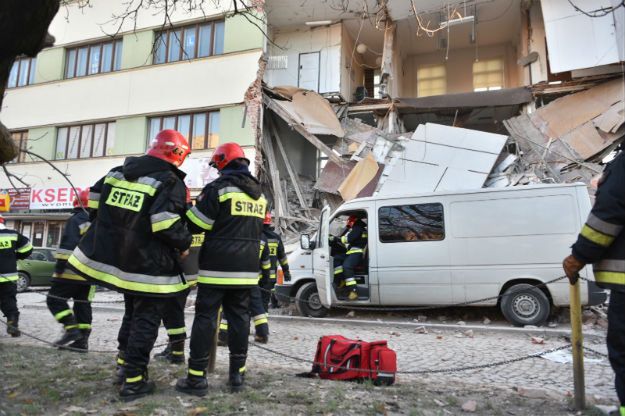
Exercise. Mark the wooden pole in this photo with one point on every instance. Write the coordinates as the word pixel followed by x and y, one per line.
pixel 212 358
pixel 578 347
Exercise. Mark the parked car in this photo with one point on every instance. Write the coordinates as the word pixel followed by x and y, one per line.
pixel 447 248
pixel 37 269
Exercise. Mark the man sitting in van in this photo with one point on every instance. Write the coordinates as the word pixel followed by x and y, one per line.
pixel 354 238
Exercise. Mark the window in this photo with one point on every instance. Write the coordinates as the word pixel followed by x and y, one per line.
pixel 20 138
pixel 431 80
pixel 93 59
pixel 488 75
pixel 200 129
pixel 85 141
pixel 22 72
pixel 189 42
pixel 405 223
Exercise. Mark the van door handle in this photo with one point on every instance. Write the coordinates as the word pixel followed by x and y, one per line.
pixel 322 256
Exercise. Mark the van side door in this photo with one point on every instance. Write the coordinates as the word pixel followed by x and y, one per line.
pixel 321 260
pixel 412 253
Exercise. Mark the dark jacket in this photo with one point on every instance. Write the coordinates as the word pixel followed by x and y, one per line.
pixel 75 227
pixel 230 210
pixel 265 260
pixel 13 246
pixel 356 238
pixel 602 239
pixel 276 251
pixel 190 265
pixel 137 229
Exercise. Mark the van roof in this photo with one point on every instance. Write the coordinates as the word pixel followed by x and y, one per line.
pixel 466 192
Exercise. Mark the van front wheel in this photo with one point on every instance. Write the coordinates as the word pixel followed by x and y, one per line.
pixel 308 302
pixel 524 304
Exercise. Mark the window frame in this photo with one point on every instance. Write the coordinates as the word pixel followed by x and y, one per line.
pixel 95 45
pixel 80 137
pixel 30 79
pixel 502 72
pixel 427 66
pixel 183 29
pixel 207 124
pixel 442 207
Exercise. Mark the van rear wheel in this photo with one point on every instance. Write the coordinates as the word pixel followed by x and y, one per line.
pixel 308 302
pixel 524 304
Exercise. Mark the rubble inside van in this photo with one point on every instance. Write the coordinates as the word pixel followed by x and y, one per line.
pixel 563 141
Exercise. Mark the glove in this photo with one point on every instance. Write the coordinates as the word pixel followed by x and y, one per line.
pixel 287 276
pixel 571 267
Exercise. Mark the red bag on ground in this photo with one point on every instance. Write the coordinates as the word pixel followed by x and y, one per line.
pixel 339 358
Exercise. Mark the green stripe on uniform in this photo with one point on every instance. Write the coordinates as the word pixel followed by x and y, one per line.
pixel 131 186
pixel 228 281
pixel 176 331
pixel 604 240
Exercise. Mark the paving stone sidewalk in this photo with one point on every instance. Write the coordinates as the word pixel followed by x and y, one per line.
pixel 437 349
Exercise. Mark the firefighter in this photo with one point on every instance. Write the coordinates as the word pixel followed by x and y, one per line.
pixel 602 243
pixel 66 284
pixel 13 246
pixel 230 210
pixel 135 244
pixel 258 313
pixel 277 255
pixel 354 239
pixel 173 313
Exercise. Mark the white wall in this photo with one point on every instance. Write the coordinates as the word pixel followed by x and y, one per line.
pixel 214 81
pixel 326 40
pixel 578 41
pixel 459 68
pixel 74 24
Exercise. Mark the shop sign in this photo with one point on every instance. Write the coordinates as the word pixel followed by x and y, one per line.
pixel 53 198
pixel 19 199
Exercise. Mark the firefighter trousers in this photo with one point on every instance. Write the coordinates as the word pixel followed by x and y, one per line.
pixel 80 314
pixel 236 304
pixel 8 299
pixel 349 264
pixel 258 313
pixel 139 330
pixel 616 341
pixel 173 320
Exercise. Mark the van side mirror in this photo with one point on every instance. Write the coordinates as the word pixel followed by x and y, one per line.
pixel 305 243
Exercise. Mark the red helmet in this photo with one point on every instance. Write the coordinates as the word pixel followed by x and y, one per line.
pixel 1 219
pixel 84 198
pixel 352 220
pixel 267 218
pixel 170 146
pixel 225 154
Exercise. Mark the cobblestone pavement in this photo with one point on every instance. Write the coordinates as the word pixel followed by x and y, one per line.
pixel 438 349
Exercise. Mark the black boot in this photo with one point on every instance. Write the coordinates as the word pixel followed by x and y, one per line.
pixel 176 355
pixel 82 344
pixel 193 385
pixel 120 370
pixel 165 353
pixel 135 389
pixel 236 376
pixel 70 335
pixel 13 326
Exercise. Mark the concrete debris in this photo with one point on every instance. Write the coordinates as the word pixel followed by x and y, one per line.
pixel 350 314
pixel 537 340
pixel 421 330
pixel 486 321
pixel 468 333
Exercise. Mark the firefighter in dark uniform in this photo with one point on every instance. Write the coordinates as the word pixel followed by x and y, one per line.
pixel 258 313
pixel 135 243
pixel 277 255
pixel 66 284
pixel 354 239
pixel 230 210
pixel 602 244
pixel 13 246
pixel 173 313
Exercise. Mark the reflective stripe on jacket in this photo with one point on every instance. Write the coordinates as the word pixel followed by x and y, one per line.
pixel 75 227
pixel 602 238
pixel 13 246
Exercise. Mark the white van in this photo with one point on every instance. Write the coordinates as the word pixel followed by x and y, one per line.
pixel 447 248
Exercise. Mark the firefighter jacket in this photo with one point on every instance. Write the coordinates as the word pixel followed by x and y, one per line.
pixel 355 239
pixel 137 230
pixel 230 210
pixel 602 239
pixel 13 246
pixel 75 227
pixel 276 251
pixel 190 264
pixel 265 260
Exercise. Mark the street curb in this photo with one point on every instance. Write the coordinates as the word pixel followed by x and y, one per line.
pixel 544 332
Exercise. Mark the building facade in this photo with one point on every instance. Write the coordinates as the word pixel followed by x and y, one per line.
pixel 107 87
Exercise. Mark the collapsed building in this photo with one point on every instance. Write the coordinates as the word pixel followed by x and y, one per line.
pixel 382 97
